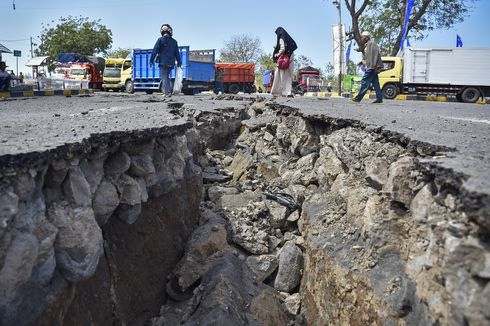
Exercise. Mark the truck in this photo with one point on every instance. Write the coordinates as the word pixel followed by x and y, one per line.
pixel 84 67
pixel 307 80
pixel 197 68
pixel 459 72
pixel 117 75
pixel 237 77
pixel 268 79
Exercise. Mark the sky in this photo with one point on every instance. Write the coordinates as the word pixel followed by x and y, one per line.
pixel 208 24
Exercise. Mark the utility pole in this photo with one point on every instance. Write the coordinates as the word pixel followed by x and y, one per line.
pixel 337 4
pixel 32 56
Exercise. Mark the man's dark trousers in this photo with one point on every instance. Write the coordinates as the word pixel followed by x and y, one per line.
pixel 4 84
pixel 370 77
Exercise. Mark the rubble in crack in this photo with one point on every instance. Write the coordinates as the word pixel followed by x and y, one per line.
pixel 333 225
pixel 253 214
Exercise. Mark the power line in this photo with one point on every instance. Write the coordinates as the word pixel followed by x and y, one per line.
pixel 24 39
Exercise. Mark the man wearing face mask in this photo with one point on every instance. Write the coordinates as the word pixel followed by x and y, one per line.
pixel 166 53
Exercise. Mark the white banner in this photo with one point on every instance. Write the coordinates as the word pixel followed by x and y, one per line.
pixel 338 55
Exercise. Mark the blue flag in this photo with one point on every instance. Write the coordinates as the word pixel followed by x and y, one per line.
pixel 459 42
pixel 408 11
pixel 347 55
pixel 408 44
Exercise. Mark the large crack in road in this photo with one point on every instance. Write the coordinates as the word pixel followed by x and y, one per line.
pixel 311 213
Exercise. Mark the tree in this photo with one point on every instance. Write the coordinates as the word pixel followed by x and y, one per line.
pixel 241 48
pixel 74 34
pixel 118 53
pixel 265 62
pixel 301 61
pixel 385 19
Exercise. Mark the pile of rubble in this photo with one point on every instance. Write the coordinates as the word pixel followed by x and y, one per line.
pixel 303 224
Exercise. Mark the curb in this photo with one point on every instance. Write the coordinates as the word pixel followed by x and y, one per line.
pixel 66 92
pixel 403 97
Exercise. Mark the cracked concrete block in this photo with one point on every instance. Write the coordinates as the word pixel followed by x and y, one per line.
pixel 421 203
pixel 9 206
pixel 143 189
pixel 293 303
pixel 267 306
pixel 267 169
pixel 262 266
pixel 399 183
pixel 46 234
pixel 142 165
pixel 25 185
pixel 94 171
pixel 18 263
pixel 290 266
pixel 278 214
pixel 328 166
pixel 78 245
pixel 129 189
pixel 205 242
pixel 307 162
pixel 76 188
pixel 242 161
pixel 377 172
pixel 293 217
pixel 117 164
pixel 106 200
pixel 128 213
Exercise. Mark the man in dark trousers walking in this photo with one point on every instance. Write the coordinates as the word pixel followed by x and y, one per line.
pixel 166 53
pixel 373 65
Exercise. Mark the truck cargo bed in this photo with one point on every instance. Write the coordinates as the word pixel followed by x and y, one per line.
pixel 450 66
pixel 195 73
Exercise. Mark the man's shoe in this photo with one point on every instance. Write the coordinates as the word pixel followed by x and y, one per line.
pixel 355 101
pixel 377 102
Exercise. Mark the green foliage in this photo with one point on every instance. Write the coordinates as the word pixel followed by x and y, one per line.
pixel 118 53
pixel 385 19
pixel 351 68
pixel 301 61
pixel 74 34
pixel 265 62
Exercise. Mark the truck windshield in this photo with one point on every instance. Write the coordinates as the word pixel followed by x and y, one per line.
pixel 77 72
pixel 312 80
pixel 112 72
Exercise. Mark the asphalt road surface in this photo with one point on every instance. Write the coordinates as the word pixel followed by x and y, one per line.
pixel 41 123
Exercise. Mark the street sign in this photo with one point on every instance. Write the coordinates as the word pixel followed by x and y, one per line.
pixel 17 53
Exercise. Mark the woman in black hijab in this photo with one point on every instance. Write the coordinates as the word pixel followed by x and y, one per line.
pixel 283 78
pixel 290 44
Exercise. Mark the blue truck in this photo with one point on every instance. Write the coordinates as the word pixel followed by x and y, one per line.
pixel 197 67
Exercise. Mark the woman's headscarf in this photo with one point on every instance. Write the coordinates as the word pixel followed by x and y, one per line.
pixel 288 41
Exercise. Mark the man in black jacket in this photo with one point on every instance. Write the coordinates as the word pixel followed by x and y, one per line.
pixel 166 52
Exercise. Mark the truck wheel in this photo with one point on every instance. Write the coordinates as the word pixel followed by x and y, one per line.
pixel 249 89
pixel 470 95
pixel 390 91
pixel 149 91
pixel 129 87
pixel 234 88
